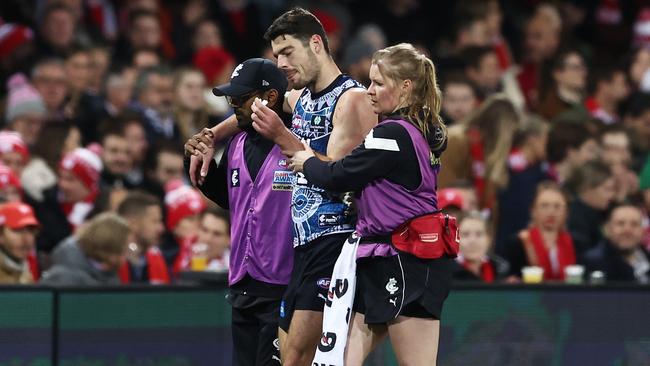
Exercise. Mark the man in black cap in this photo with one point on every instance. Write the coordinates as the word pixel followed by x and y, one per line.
pixel 253 181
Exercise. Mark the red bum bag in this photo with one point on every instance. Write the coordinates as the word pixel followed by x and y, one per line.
pixel 429 236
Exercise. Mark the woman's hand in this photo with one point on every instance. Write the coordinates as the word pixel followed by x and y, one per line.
pixel 299 157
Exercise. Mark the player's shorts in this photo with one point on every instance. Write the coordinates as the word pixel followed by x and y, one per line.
pixel 310 278
pixel 401 285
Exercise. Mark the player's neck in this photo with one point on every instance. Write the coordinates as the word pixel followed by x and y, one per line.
pixel 328 73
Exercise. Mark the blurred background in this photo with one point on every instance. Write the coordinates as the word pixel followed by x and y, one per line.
pixel 547 169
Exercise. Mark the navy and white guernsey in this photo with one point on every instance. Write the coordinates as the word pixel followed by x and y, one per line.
pixel 316 212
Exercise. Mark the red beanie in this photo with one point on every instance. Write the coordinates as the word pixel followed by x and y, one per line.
pixel 85 165
pixel 12 142
pixel 212 61
pixel 181 201
pixel 450 197
pixel 13 36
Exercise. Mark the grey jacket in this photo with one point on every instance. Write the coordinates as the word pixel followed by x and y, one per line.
pixel 72 268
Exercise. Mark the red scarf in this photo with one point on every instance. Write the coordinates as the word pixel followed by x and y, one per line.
pixel 565 252
pixel 32 262
pixel 184 257
pixel 156 268
pixel 477 153
pixel 487 269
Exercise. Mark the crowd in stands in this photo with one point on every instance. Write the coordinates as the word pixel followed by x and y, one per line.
pixel 546 103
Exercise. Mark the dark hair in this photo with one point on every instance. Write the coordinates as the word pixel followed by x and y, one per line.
pixel 299 23
pixel 588 176
pixel 639 104
pixel 473 56
pixel 159 147
pixel 456 77
pixel 141 13
pixel 603 73
pixel 50 141
pixel 547 81
pixel 217 212
pixel 565 135
pixel 618 205
pixel 142 81
pixel 531 125
pixel 56 6
pixel 113 126
pixel 548 185
pixel 136 203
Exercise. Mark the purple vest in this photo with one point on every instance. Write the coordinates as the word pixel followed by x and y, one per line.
pixel 383 205
pixel 261 227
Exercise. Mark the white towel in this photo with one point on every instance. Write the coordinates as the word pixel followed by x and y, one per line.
pixel 338 307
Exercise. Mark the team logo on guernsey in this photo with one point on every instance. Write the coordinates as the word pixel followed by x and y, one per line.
pixel 282 180
pixel 327 342
pixel 391 286
pixel 234 177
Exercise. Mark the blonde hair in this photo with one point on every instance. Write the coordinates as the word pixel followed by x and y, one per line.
pixel 105 235
pixel 497 120
pixel 403 62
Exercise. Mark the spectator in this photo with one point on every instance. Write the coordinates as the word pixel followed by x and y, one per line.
pixel 100 61
pixel 637 120
pixel 154 93
pixel 562 87
pixel 184 206
pixel 617 155
pixel 546 242
pixel 92 256
pixel 145 58
pixel 25 110
pixel 357 57
pixel 610 88
pixel 57 30
pixel 542 39
pixel 13 151
pixel 18 230
pixel 118 94
pixel 16 49
pixel 482 68
pixel 639 67
pixel 595 190
pixel 475 263
pixel 450 201
pixel 136 136
pixel 165 161
pixel 10 187
pixel 620 254
pixel 570 145
pixel 50 80
pixel 478 148
pixel 116 156
pixel 459 98
pixel 55 141
pixel 145 263
pixel 214 232
pixel 66 205
pixel 143 32
pixel 206 34
pixel 190 108
pixel 526 169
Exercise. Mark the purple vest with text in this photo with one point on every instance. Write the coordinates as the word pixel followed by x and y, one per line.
pixel 383 205
pixel 260 214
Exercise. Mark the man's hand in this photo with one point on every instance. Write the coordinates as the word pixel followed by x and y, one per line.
pixel 266 121
pixel 298 159
pixel 200 149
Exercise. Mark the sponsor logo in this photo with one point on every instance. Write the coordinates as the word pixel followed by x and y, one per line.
pixel 234 177
pixel 429 238
pixel 276 343
pixel 283 163
pixel 236 71
pixel 328 220
pixel 265 83
pixel 282 314
pixel 282 180
pixel 324 283
pixel 393 301
pixel 327 342
pixel 391 286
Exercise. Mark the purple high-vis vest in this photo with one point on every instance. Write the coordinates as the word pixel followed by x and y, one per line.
pixel 260 214
pixel 383 205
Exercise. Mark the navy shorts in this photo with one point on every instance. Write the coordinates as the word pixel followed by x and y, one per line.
pixel 313 264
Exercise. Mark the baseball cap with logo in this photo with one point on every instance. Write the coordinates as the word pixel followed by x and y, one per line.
pixel 17 215
pixel 251 75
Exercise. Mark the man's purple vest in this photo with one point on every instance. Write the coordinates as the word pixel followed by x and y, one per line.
pixel 260 214
pixel 383 205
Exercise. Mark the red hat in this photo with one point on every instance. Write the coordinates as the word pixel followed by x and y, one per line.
pixel 181 201
pixel 13 142
pixel 17 215
pixel 13 36
pixel 8 178
pixel 212 61
pixel 642 28
pixel 450 197
pixel 85 165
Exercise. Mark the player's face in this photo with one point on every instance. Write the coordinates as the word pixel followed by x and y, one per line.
pixel 297 60
pixel 383 93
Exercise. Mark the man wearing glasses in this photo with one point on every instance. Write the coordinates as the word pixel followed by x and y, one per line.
pixel 254 182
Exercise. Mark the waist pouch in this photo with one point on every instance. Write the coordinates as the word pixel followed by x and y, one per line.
pixel 428 236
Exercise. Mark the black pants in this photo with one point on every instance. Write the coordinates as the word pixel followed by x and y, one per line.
pixel 255 330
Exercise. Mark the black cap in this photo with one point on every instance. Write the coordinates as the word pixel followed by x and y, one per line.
pixel 253 74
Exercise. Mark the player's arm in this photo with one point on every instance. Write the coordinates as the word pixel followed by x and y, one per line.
pixel 353 119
